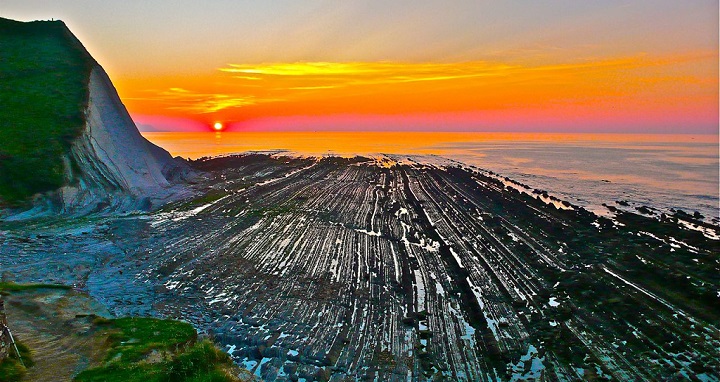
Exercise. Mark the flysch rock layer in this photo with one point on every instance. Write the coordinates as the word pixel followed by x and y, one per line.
pixel 111 164
pixel 396 270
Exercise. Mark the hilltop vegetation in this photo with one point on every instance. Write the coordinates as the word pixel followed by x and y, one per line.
pixel 44 73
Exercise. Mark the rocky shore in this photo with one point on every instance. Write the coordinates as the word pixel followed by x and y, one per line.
pixel 396 269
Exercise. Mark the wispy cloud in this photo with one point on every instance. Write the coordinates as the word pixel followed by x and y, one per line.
pixel 318 76
pixel 308 68
pixel 367 73
pixel 203 103
pixel 470 85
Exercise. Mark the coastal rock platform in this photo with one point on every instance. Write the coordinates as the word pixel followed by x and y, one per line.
pixel 393 268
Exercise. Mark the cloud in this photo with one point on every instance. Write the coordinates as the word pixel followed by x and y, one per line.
pixel 334 75
pixel 474 85
pixel 204 103
pixel 374 72
pixel 306 69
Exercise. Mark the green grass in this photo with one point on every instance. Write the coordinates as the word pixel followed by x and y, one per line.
pixel 43 95
pixel 13 287
pixel 11 370
pixel 137 337
pixel 154 350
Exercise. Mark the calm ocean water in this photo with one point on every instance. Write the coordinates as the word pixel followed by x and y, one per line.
pixel 661 171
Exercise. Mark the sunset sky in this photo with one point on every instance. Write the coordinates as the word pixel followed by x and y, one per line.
pixel 569 66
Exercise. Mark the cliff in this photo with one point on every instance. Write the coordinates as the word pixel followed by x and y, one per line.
pixel 67 143
pixel 110 164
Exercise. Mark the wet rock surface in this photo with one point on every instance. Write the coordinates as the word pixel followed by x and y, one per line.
pixel 394 269
pixel 57 326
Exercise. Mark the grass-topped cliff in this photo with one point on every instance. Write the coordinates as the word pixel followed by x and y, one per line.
pixel 44 74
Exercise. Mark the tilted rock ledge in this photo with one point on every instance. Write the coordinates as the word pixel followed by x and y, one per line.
pixel 111 164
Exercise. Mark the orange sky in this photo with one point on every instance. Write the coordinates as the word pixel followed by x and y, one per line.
pixel 495 65
pixel 620 92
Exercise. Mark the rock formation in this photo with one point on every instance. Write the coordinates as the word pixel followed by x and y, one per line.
pixel 111 164
pixel 4 339
pixel 107 164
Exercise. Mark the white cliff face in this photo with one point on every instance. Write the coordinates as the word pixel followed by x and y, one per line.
pixel 111 165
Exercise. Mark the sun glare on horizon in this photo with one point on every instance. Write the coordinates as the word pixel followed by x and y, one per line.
pixel 218 126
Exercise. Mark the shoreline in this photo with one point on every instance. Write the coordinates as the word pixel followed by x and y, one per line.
pixel 277 246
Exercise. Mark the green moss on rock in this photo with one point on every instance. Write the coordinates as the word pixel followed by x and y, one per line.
pixel 148 349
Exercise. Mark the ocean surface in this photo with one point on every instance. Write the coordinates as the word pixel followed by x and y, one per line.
pixel 660 171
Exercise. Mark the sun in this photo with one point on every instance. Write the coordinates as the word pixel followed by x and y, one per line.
pixel 218 126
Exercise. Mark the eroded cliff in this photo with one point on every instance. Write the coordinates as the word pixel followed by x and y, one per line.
pixel 111 165
pixel 71 146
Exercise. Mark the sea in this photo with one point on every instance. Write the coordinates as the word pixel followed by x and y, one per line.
pixel 656 170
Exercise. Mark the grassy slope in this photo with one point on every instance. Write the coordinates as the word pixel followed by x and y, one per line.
pixel 149 350
pixel 43 94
